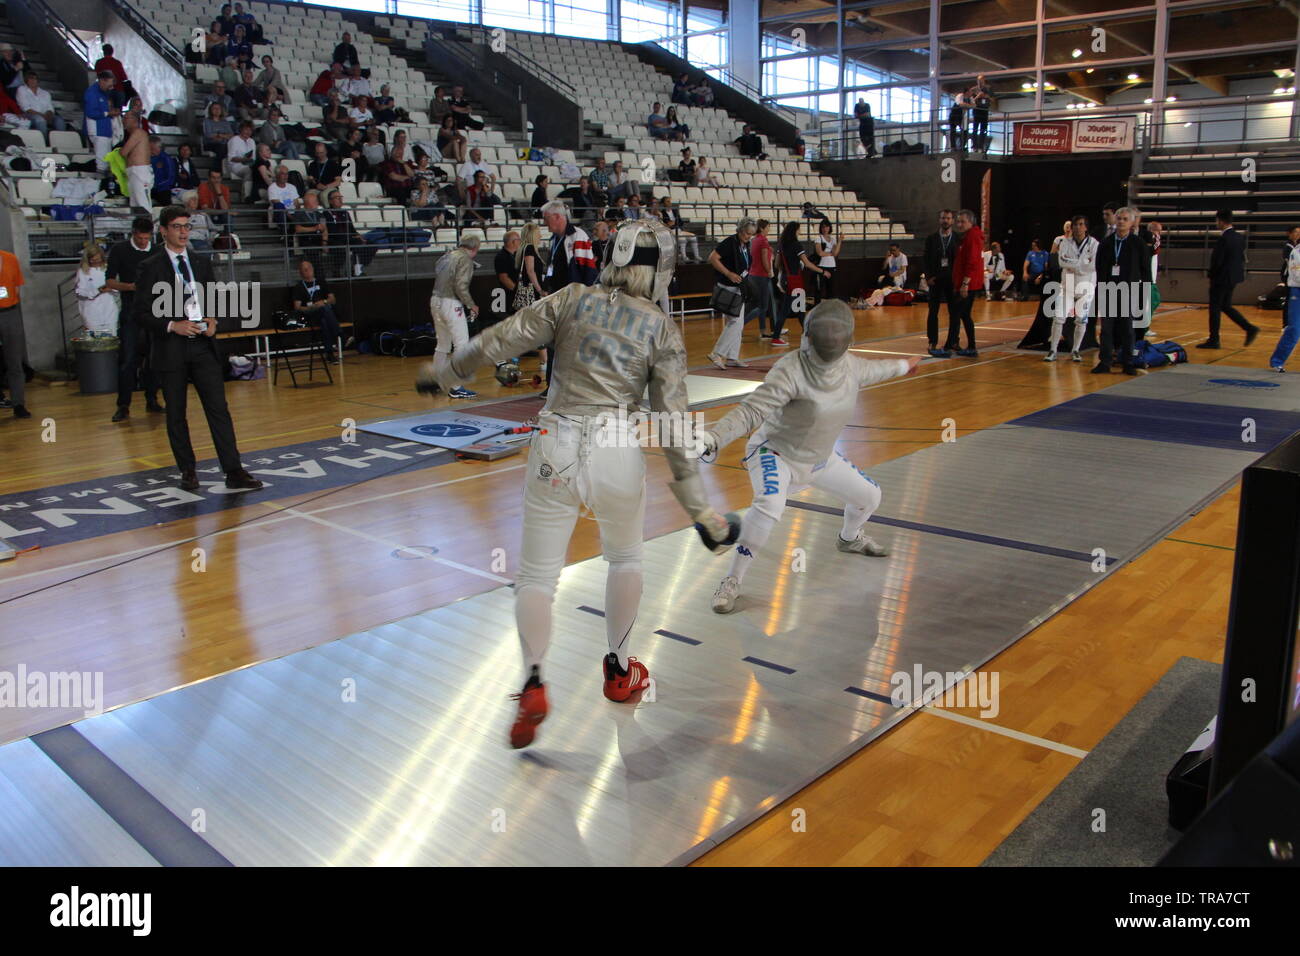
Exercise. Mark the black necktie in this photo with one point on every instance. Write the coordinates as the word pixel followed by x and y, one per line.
pixel 183 267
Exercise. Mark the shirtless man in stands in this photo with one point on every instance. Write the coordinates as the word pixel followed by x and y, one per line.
pixel 139 173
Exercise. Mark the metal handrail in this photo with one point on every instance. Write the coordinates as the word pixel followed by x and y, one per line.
pixel 737 83
pixel 524 60
pixel 55 23
pixel 163 46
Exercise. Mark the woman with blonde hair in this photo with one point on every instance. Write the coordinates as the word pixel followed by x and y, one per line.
pixel 528 260
pixel 95 301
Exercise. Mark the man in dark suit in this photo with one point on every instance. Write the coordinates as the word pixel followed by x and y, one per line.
pixel 170 302
pixel 940 251
pixel 1227 269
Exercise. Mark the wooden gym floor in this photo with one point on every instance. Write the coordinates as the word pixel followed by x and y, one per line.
pixel 292 573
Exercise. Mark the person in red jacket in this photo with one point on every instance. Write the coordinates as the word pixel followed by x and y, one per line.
pixel 967 279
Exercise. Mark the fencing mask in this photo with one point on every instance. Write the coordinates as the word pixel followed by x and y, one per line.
pixel 627 247
pixel 828 331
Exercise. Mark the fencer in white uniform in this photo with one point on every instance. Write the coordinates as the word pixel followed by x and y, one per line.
pixel 1077 255
pixel 611 342
pixel 796 415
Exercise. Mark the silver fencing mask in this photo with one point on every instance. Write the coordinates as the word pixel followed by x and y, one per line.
pixel 828 331
pixel 628 248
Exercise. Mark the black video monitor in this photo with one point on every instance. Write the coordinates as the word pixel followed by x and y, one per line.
pixel 1260 693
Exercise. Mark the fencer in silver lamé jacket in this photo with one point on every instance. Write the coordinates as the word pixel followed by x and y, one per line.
pixel 609 346
pixel 452 280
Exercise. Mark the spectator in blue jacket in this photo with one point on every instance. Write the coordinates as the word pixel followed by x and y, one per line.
pixel 164 172
pixel 99 110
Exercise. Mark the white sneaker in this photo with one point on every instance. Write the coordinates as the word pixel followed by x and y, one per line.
pixel 1076 357
pixel 724 598
pixel 1049 357
pixel 861 545
pixel 356 268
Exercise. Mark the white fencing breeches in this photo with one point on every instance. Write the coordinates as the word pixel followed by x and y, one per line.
pixel 140 180
pixel 449 323
pixel 1075 300
pixel 580 461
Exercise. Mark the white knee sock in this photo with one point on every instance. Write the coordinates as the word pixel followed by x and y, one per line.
pixel 857 515
pixel 1080 330
pixel 533 618
pixel 622 600
pixel 754 533
pixel 1058 326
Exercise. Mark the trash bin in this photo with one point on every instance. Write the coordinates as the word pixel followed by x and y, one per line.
pixel 97 363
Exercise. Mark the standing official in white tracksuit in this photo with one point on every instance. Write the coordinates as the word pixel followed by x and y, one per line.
pixel 451 301
pixel 1077 255
pixel 613 345
pixel 796 415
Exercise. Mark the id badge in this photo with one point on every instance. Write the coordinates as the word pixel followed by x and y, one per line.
pixel 944 262
pixel 193 312
pixel 1114 271
pixel 4 292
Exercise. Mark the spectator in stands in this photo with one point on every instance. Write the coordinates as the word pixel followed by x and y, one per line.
pixel 396 177
pixel 214 44
pixel 384 106
pixel 13 64
pixel 686 168
pixel 439 106
pixel 252 28
pixel 326 81
pixel 373 147
pixel 657 124
pixel 323 172
pixel 617 212
pixel 731 261
pixel 124 260
pixel 249 100
pixel 241 153
pixel 334 117
pixel 620 182
pixel 354 85
pixel 99 112
pixel 967 278
pixel 681 89
pixel 263 176
pixel 540 197
pixel 827 246
pixel 214 197
pixel 998 279
pixel 599 240
pixel 451 142
pixel 685 240
pixel 465 173
pixel 345 53
pixel 187 177
pixel 634 209
pixel 283 198
pixel 599 177
pixel 866 126
pixel 219 95
pixel 460 109
pixel 702 93
pixel 426 199
pixel 750 143
pixel 200 224
pixel 11 112
pixel 353 147
pixel 1034 274
pixel 477 210
pixel 314 301
pixel 270 78
pixel 359 114
pixel 583 199
pixel 310 228
pixel 164 172
pixel 677 126
pixel 239 47
pixel 980 98
pixel 272 134
pixel 230 73
pixel 113 65
pixel 37 106
pixel 227 19
pixel 400 141
pixel 704 174
pixel 344 238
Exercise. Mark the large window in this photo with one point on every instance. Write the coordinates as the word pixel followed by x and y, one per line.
pixel 644 20
pixel 516 14
pixel 581 18
pixel 460 11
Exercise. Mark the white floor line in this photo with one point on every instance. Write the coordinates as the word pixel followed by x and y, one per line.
pixel 260 522
pixel 393 544
pixel 1005 732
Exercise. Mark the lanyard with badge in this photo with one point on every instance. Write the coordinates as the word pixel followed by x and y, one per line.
pixel 193 310
pixel 944 244
pixel 1119 249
